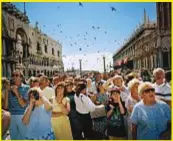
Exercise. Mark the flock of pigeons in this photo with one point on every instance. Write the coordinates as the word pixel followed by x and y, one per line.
pixel 84 36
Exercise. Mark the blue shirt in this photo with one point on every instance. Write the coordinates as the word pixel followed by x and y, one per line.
pixel 150 120
pixel 40 123
pixel 14 107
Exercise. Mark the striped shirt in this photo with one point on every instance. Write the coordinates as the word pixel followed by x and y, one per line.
pixel 14 107
pixel 163 91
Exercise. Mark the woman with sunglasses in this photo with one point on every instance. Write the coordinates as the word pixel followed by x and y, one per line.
pixel 150 117
pixel 61 108
pixel 37 117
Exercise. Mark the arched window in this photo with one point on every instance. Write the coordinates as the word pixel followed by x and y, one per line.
pixel 53 51
pixel 38 47
pixel 45 48
pixel 58 53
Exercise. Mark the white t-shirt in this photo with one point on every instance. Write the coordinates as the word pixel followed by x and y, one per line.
pixel 163 91
pixel 84 105
pixel 48 92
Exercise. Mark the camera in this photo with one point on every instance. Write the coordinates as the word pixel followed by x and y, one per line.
pixel 36 95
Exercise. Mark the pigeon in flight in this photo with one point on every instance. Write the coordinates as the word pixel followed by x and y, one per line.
pixel 98 27
pixel 80 49
pixel 105 32
pixel 95 38
pixel 61 31
pixel 84 38
pixel 80 4
pixel 71 44
pixel 93 27
pixel 113 8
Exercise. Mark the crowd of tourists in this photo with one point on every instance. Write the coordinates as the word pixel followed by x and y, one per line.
pixel 95 106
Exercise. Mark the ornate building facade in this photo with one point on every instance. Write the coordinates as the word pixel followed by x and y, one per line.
pixel 25 47
pixel 150 45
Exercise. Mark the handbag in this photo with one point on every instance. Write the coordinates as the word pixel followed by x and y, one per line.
pixel 99 112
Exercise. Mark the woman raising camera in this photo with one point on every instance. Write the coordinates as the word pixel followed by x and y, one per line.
pixel 37 117
pixel 115 111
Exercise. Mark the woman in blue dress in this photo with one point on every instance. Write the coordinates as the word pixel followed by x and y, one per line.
pixel 37 117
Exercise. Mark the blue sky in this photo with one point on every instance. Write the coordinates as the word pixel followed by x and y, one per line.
pixel 76 21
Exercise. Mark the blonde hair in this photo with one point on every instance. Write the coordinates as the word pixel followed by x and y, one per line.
pixel 142 86
pixel 158 70
pixel 118 77
pixel 132 83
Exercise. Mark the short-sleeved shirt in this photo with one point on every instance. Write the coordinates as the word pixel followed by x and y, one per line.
pixel 163 91
pixel 84 105
pixel 40 123
pixel 14 107
pixel 150 120
pixel 48 92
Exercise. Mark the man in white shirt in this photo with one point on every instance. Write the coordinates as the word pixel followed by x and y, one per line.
pixel 48 92
pixel 162 89
pixel 84 106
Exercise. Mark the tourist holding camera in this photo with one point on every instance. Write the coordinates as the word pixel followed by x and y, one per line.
pixel 115 111
pixel 37 117
pixel 15 100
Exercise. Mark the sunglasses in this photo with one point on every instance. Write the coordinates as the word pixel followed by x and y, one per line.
pixel 149 90
pixel 13 75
